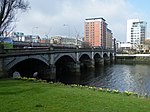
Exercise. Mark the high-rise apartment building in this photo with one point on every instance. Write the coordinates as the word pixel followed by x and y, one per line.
pixel 95 32
pixel 136 32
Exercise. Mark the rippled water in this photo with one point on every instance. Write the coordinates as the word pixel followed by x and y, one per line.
pixel 134 78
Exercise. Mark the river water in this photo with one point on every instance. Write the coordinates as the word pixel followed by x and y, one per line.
pixel 134 78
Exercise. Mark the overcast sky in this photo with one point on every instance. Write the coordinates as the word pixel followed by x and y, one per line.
pixel 47 17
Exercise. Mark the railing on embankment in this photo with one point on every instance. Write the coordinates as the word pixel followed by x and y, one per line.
pixel 133 58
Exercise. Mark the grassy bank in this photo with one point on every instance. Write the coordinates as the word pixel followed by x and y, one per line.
pixel 29 96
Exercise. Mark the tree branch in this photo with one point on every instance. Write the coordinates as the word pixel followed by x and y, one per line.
pixel 8 10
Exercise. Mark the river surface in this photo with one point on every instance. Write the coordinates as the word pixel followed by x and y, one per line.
pixel 134 78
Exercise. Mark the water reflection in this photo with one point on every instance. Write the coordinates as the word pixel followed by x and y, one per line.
pixel 135 78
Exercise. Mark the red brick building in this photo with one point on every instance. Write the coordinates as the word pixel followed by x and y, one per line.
pixel 95 32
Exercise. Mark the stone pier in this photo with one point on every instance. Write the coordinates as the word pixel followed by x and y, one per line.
pixel 106 61
pixel 53 72
pixel 3 71
pixel 90 64
pixel 99 61
pixel 1 68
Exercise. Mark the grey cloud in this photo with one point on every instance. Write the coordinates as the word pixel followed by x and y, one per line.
pixel 52 14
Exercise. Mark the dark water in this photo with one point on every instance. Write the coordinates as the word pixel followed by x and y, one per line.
pixel 134 78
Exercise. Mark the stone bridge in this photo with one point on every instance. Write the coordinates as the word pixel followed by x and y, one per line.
pixel 50 63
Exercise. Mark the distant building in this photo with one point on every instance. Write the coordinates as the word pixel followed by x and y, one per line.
pixel 123 46
pixel 19 36
pixel 114 44
pixel 109 38
pixel 95 31
pixel 65 40
pixel 136 32
pixel 68 41
pixel 147 45
pixel 56 40
pixel 44 40
pixel 147 41
pixel 28 38
pixel 36 38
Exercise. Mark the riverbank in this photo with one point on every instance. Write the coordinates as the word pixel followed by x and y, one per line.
pixel 33 96
pixel 133 60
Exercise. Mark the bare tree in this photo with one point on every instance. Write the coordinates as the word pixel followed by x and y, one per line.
pixel 8 11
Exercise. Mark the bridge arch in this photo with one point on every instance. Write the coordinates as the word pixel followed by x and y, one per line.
pixel 64 66
pixel 97 59
pixel 28 67
pixel 85 54
pixel 60 56
pixel 105 56
pixel 84 57
pixel 97 55
pixel 85 61
pixel 17 60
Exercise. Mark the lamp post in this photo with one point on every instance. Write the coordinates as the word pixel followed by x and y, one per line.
pixel 33 29
pixel 33 33
pixel 68 29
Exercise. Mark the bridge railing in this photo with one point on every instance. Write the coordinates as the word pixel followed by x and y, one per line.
pixel 51 50
pixel 25 49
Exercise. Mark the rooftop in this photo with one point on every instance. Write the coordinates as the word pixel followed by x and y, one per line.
pixel 95 18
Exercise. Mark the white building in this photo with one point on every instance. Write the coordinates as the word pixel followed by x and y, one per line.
pixel 136 32
pixel 125 45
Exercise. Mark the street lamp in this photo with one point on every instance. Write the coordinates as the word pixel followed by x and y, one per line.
pixel 33 34
pixel 68 29
pixel 33 29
